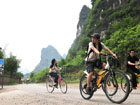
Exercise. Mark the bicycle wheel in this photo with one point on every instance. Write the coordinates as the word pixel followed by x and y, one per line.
pixel 114 86
pixel 124 86
pixel 63 86
pixel 49 84
pixel 83 85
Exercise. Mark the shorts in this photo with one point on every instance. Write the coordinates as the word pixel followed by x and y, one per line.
pixel 90 65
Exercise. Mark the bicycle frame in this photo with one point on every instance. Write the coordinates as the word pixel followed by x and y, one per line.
pixel 101 74
pixel 59 78
pixel 138 77
pixel 130 79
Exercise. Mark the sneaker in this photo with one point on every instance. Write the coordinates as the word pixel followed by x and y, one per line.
pixel 56 85
pixel 88 90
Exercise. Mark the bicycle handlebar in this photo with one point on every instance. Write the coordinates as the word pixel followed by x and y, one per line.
pixel 110 56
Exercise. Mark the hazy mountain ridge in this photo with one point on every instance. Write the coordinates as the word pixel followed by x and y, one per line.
pixel 47 54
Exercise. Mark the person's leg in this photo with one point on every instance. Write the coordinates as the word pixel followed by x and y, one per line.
pixel 134 83
pixel 53 74
pixel 88 79
pixel 136 70
pixel 89 68
pixel 56 78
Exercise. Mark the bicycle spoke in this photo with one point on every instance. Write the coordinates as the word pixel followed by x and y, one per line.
pixel 83 85
pixel 49 84
pixel 63 86
pixel 117 87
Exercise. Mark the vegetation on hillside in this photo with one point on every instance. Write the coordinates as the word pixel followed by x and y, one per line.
pixel 120 23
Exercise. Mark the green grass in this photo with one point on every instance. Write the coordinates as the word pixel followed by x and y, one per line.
pixel 12 83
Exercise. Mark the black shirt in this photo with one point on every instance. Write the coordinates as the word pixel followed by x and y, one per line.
pixel 132 60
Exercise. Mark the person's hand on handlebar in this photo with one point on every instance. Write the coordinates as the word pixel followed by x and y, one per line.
pixel 102 53
pixel 115 56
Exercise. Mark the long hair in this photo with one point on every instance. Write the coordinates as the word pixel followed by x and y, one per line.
pixel 52 63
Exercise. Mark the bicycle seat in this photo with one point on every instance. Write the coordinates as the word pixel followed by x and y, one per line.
pixel 86 72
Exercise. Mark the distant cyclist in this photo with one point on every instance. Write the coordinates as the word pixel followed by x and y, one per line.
pixel 53 73
pixel 93 59
pixel 131 59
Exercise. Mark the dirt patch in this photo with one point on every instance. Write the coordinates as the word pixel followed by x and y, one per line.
pixel 7 89
pixel 138 87
pixel 73 85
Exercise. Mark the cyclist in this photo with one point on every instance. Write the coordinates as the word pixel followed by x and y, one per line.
pixel 131 59
pixel 53 72
pixel 93 59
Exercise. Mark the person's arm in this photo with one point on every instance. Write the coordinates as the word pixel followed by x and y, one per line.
pixel 95 50
pixel 130 63
pixel 109 51
pixel 50 70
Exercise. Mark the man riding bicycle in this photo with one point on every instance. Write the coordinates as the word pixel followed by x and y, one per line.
pixel 93 57
pixel 131 59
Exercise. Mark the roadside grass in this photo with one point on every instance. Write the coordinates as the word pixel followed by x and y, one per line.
pixel 12 83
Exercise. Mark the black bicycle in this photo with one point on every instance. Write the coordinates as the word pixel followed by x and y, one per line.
pixel 112 82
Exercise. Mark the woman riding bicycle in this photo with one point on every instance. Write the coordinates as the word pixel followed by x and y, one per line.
pixel 93 59
pixel 52 72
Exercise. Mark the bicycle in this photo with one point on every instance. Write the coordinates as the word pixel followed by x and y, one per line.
pixel 111 81
pixel 50 84
pixel 130 77
pixel 130 80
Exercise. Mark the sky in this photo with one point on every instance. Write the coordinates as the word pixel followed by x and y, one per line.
pixel 27 26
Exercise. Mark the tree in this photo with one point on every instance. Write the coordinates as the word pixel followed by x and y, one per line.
pixel 11 65
pixel 19 76
pixel 1 53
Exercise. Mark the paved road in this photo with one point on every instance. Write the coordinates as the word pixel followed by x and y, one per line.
pixel 36 94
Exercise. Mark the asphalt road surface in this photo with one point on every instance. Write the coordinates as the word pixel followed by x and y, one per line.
pixel 36 94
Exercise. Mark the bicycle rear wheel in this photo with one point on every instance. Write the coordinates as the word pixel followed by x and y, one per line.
pixel 49 84
pixel 114 86
pixel 83 85
pixel 63 86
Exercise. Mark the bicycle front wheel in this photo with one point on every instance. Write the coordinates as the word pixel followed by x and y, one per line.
pixel 124 86
pixel 114 86
pixel 63 86
pixel 49 84
pixel 83 85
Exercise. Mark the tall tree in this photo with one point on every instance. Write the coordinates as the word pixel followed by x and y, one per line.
pixel 11 65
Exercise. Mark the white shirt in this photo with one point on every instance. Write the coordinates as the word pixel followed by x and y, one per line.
pixel 53 69
pixel 93 56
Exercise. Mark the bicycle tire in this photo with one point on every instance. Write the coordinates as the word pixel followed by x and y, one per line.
pixel 116 77
pixel 49 84
pixel 63 86
pixel 131 87
pixel 82 88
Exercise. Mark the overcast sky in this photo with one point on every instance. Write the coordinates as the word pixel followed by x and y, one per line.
pixel 27 26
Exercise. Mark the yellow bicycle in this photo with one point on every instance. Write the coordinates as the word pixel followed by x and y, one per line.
pixel 112 82
pixel 130 79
